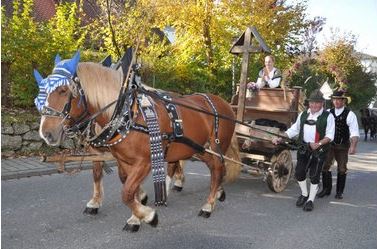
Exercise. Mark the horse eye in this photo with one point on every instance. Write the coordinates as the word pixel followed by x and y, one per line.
pixel 63 91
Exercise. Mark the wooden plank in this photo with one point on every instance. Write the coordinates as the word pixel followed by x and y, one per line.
pixel 70 158
pixel 253 156
pixel 250 49
pixel 243 79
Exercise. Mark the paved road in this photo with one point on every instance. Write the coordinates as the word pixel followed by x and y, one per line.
pixel 46 212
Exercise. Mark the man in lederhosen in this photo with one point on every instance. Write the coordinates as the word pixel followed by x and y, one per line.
pixel 344 143
pixel 315 130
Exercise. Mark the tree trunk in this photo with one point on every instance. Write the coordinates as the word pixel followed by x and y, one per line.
pixel 207 34
pixel 5 84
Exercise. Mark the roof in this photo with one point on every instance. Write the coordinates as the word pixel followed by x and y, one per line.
pixel 364 56
pixel 45 9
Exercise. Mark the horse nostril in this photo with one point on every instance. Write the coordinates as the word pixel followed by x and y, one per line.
pixel 48 136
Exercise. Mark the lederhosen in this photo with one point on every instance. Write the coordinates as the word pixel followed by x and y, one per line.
pixel 340 146
pixel 307 159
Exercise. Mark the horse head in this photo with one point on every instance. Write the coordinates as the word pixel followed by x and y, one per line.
pixel 58 100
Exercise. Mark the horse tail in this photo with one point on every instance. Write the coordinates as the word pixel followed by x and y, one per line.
pixel 232 169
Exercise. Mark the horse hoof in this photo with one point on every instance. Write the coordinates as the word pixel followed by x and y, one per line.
pixel 154 221
pixel 144 201
pixel 204 214
pixel 90 211
pixel 132 228
pixel 177 188
pixel 222 196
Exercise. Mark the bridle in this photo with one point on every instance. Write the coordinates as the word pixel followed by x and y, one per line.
pixel 65 112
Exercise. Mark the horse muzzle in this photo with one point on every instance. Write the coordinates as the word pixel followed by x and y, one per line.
pixel 51 136
pixel 51 139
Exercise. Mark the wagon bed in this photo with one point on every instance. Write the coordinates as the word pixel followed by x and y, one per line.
pixel 268 107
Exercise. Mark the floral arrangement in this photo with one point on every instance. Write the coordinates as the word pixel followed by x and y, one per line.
pixel 252 86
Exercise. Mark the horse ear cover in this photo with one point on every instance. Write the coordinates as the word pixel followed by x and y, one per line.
pixel 72 65
pixel 57 59
pixel 38 77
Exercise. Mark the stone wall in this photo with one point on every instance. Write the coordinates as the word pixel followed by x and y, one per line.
pixel 24 138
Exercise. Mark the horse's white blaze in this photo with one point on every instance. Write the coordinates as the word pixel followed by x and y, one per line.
pixel 133 220
pixel 43 118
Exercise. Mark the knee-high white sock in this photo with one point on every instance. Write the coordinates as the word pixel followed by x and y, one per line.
pixel 303 187
pixel 313 191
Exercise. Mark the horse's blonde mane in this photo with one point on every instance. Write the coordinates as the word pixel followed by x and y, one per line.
pixel 100 84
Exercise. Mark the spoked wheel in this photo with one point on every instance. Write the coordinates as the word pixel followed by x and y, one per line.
pixel 280 171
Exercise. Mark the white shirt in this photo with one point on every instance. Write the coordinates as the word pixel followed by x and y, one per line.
pixel 351 122
pixel 272 83
pixel 310 130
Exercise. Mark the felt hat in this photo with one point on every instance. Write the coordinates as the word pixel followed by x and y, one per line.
pixel 341 94
pixel 316 96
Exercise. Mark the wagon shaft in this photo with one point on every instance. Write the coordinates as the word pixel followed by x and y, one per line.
pixel 70 158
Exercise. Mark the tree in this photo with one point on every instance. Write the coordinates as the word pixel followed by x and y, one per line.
pixel 315 26
pixel 339 65
pixel 340 60
pixel 21 48
pixel 65 30
pixel 27 44
pixel 199 58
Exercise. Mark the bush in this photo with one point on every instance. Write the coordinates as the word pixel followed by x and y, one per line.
pixel 27 44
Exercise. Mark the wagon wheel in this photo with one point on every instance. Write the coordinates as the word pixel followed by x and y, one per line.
pixel 280 171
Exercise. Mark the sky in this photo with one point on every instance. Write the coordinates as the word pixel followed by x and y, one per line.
pixel 358 17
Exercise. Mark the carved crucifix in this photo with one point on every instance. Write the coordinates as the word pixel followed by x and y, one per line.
pixel 245 45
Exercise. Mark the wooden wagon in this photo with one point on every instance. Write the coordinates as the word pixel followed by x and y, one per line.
pixel 268 112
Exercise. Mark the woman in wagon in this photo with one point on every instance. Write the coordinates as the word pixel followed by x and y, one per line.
pixel 315 129
pixel 269 76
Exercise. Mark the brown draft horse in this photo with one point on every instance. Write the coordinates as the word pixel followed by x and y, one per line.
pixel 101 86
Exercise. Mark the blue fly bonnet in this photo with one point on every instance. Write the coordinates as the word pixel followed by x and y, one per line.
pixel 63 73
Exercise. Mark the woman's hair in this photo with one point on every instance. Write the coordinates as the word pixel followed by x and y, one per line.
pixel 271 57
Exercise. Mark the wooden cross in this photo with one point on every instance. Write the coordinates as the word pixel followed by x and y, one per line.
pixel 245 46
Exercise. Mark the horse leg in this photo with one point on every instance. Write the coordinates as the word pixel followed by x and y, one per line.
pixel 220 194
pixel 130 196
pixel 143 197
pixel 216 191
pixel 175 173
pixel 179 176
pixel 366 130
pixel 94 204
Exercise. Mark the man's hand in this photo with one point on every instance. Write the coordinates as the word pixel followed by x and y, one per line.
pixel 314 146
pixel 276 140
pixel 352 150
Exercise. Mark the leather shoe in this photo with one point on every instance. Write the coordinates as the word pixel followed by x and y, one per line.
pixel 308 206
pixel 324 193
pixel 339 196
pixel 301 200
